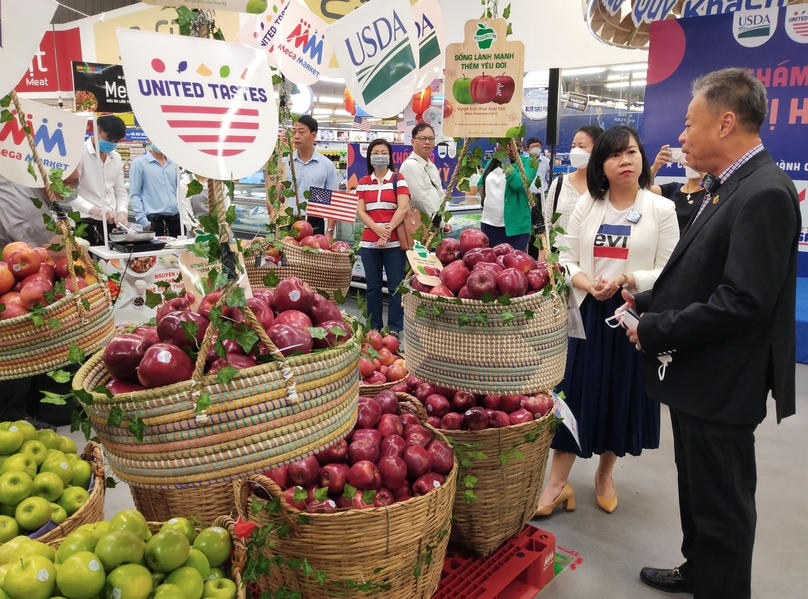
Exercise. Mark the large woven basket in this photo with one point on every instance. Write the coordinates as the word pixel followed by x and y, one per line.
pixel 518 349
pixel 93 508
pixel 377 545
pixel 507 495
pixel 266 416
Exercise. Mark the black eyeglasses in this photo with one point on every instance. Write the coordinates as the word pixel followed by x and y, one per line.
pixel 425 139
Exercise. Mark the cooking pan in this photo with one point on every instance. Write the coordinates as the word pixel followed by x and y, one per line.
pixel 120 236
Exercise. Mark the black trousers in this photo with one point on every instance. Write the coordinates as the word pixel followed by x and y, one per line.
pixel 165 225
pixel 95 231
pixel 717 482
pixel 317 223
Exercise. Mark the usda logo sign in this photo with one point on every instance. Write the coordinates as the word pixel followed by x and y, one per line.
pixel 755 27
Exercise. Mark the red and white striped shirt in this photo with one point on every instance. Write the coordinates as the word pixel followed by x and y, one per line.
pixel 381 204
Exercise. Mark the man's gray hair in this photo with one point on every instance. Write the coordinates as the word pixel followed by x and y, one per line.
pixel 737 91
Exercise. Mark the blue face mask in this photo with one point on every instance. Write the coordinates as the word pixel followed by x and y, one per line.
pixel 154 148
pixel 106 146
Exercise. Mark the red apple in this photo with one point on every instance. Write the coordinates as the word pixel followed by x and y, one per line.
pixel 331 339
pixel 81 283
pixel 419 286
pixel 417 460
pixel 288 497
pixel 483 89
pixel 520 261
pixel 402 494
pixel 33 293
pixel 512 282
pixel 363 449
pixel 505 89
pixel 61 269
pixel 463 400
pixel 511 403
pixel 303 472
pixel 448 250
pixel 323 241
pixel 11 297
pixel 369 434
pixel 423 391
pixel 426 483
pixel 209 301
pixel 366 367
pixel 489 266
pixel 375 379
pixel 365 476
pixel 477 255
pixel 12 311
pixel 237 361
pixel 448 109
pixel 452 421
pixel 47 271
pixel 433 421
pixel 266 295
pixel 503 248
pixel 481 282
pixel 375 339
pixel 164 364
pixel 492 402
pixel 310 242
pixel 7 280
pixel 334 477
pixel 442 456
pixel 293 294
pixel 294 318
pixel 170 330
pixel 369 414
pixel 329 506
pixel 408 418
pixel 454 276
pixel 341 247
pixel 398 387
pixel 322 310
pixel 279 475
pixel 498 419
pixel 175 304
pixel 335 453
pixel 262 312
pixel 396 372
pixel 24 262
pixel 464 293
pixel 115 387
pixel 14 246
pixel 413 382
pixel 384 497
pixel 472 238
pixel 538 277
pixel 437 405
pixel 393 445
pixel 539 404
pixel 123 355
pixel 519 416
pixel 302 229
pixel 290 240
pixel 442 290
pixel 475 419
pixel 393 470
pixel 390 424
pixel 391 343
pixel 416 434
pixel 289 339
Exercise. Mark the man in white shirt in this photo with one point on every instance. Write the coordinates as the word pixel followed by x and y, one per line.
pixel 421 174
pixel 100 190
pixel 535 149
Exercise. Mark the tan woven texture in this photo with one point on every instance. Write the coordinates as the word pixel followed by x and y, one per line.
pixel 93 508
pixel 523 356
pixel 377 544
pixel 204 504
pixel 324 271
pixel 507 496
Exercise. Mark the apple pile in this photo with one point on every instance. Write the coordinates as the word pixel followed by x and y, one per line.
pixel 41 479
pixel 389 457
pixel 304 236
pixel 296 319
pixel 460 410
pixel 471 269
pixel 121 559
pixel 29 276
pixel 379 361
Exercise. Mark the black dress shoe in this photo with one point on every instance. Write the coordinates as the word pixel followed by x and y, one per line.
pixel 670 581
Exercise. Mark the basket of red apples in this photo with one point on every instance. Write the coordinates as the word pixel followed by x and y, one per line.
pixel 44 310
pixel 510 436
pixel 378 506
pixel 207 396
pixel 507 332
pixel 380 364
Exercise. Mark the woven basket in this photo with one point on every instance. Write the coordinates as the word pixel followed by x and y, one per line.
pixel 266 416
pixel 522 356
pixel 380 545
pixel 93 508
pixel 507 496
pixel 324 271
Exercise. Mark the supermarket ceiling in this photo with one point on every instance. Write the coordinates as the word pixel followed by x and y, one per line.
pixel 70 10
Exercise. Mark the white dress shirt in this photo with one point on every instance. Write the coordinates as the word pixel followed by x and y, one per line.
pixel 423 179
pixel 100 185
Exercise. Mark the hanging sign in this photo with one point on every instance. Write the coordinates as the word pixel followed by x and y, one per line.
pixel 302 50
pixel 22 25
pixel 251 6
pixel 260 31
pixel 100 88
pixel 431 41
pixel 377 51
pixel 59 139
pixel 208 104
pixel 485 99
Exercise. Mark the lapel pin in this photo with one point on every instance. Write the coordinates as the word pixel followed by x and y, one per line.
pixel 715 200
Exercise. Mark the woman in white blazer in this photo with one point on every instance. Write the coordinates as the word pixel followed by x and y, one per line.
pixel 620 235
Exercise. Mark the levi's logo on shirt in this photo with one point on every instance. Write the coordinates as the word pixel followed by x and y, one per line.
pixel 612 242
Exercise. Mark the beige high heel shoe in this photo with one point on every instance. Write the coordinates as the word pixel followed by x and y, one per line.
pixel 607 505
pixel 567 497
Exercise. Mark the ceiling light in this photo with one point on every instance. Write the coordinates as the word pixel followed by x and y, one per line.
pixel 586 71
pixel 640 66
pixel 322 111
pixel 332 79
pixel 638 83
pixel 620 105
pixel 616 77
pixel 330 100
pixel 616 84
pixel 342 112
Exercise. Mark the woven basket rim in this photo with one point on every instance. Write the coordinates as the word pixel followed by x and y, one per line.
pixel 537 298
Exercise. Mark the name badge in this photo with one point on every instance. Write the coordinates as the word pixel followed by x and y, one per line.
pixel 634 216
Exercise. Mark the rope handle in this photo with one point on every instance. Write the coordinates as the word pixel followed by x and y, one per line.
pixel 433 230
pixel 238 557
pixel 410 403
pixel 92 454
pixel 244 494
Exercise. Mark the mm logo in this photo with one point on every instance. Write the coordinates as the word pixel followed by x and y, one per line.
pixel 302 36
pixel 755 27
pixel 484 36
pixel 43 138
pixel 382 54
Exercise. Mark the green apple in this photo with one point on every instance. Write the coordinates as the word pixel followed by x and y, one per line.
pixel 78 540
pixel 33 513
pixel 67 445
pixel 55 453
pixel 158 578
pixel 8 548
pixel 33 547
pixel 119 547
pixel 168 591
pixel 80 576
pixel 5 425
pixel 216 544
pixel 58 513
pixel 36 449
pixel 256 7
pixel 82 473
pixel 99 528
pixel 461 92
pixel 60 467
pixel 19 462
pixel 198 560
pixel 10 441
pixel 32 578
pixel 8 529
pixel 8 510
pixel 216 573
pixel 189 580
pixel 219 588
pixel 3 458
pixel 48 438
pixel 167 551
pixel 73 498
pixel 47 485
pixel 70 457
pixel 129 581
pixel 130 520
pixel 14 487
pixel 28 429
pixel 3 570
pixel 184 526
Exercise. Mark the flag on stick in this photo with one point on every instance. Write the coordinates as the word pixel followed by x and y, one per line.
pixel 336 205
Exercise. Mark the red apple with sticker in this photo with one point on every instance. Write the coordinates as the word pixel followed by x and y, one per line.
pixel 506 87
pixel 164 364
pixel 293 294
pixel 23 262
pixel 426 483
pixel 123 354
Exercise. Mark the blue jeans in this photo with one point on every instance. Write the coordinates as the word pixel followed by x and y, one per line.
pixel 393 260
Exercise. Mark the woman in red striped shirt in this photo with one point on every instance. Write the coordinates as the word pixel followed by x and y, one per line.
pixel 384 199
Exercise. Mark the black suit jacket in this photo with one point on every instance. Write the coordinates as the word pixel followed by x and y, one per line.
pixel 724 305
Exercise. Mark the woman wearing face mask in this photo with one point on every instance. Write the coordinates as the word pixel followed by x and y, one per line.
pixel 620 235
pixel 506 212
pixel 566 189
pixel 384 199
pixel 686 196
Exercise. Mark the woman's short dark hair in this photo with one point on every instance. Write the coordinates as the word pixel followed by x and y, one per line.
pixel 420 127
pixel 613 140
pixel 593 131
pixel 381 142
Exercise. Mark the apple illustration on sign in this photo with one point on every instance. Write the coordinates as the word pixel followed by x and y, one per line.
pixel 483 89
pixel 505 88
pixel 460 91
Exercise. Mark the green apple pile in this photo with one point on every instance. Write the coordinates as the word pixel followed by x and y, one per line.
pixel 120 559
pixel 41 479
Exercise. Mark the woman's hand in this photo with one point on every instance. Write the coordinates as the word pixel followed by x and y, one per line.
pixel 447 228
pixel 383 232
pixel 662 158
pixel 602 290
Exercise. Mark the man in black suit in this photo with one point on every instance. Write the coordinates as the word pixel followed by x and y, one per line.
pixel 718 332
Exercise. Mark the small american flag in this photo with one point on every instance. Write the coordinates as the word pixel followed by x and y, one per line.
pixel 361 123
pixel 336 205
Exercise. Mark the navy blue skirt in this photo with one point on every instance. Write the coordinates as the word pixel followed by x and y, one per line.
pixel 604 388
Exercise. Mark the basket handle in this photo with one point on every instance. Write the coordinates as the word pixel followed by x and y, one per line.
pixel 238 558
pixel 243 494
pixel 433 229
pixel 410 403
pixel 92 454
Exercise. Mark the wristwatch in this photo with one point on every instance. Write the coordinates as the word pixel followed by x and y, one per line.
pixel 331 230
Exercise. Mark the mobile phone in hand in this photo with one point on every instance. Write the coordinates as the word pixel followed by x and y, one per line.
pixel 629 318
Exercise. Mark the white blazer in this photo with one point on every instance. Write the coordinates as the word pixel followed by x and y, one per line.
pixel 652 239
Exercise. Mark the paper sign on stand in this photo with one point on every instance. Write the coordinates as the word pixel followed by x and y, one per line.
pixel 261 31
pixel 562 410
pixel 482 99
pixel 59 139
pixel 208 104
pixel 377 51
pixel 302 49
pixel 426 266
pixel 22 25
pixel 431 41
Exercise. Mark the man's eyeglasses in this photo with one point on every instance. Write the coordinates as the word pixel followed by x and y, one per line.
pixel 424 140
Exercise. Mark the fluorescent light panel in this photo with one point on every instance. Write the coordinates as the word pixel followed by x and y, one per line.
pixel 330 100
pixel 586 71
pixel 630 67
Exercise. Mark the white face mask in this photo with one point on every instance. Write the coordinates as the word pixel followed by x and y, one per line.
pixel 379 160
pixel 535 152
pixel 579 157
pixel 692 174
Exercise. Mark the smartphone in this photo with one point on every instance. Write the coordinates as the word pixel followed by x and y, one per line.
pixel 629 318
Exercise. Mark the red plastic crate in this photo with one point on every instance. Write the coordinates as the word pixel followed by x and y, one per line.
pixel 517 570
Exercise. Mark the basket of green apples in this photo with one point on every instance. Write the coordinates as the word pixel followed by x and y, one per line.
pixel 128 558
pixel 47 490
